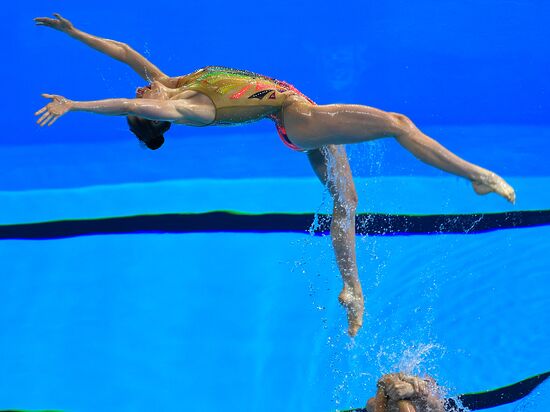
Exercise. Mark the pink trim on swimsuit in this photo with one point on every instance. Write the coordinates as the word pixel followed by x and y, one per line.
pixel 279 121
pixel 283 135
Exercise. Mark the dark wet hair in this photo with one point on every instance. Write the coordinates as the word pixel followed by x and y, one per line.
pixel 150 132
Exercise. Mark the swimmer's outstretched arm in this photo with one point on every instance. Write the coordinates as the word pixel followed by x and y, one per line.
pixel 112 48
pixel 166 110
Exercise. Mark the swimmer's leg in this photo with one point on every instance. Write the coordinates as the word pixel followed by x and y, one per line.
pixel 331 165
pixel 311 127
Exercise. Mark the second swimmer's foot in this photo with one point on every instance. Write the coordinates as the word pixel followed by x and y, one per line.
pixel 352 299
pixel 491 182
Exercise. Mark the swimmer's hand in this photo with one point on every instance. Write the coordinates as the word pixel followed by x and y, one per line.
pixel 395 388
pixel 419 385
pixel 53 110
pixel 59 23
pixel 400 390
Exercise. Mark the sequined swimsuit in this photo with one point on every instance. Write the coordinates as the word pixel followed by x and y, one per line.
pixel 241 96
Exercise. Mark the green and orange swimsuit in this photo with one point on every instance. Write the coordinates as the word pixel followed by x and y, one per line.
pixel 241 96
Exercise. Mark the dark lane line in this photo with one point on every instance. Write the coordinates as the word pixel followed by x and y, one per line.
pixel 366 224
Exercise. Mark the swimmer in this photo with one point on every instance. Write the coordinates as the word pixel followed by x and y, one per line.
pixel 399 392
pixel 221 96
pixel 397 387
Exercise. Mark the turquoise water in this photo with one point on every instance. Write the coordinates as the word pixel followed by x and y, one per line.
pixel 250 321
pixel 208 318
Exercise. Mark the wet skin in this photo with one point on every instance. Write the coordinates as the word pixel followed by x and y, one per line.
pixel 321 130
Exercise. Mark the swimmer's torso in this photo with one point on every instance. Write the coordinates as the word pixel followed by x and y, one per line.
pixel 239 96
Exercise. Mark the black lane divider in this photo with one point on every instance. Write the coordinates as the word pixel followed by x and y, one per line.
pixel 366 224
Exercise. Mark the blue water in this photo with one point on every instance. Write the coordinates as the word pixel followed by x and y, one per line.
pixel 250 321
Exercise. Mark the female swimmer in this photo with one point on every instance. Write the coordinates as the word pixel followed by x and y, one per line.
pixel 218 96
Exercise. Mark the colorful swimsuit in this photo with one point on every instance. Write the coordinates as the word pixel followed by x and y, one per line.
pixel 241 96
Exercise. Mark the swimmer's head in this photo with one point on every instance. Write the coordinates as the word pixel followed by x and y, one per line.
pixel 150 132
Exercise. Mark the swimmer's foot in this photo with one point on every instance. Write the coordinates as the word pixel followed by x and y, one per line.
pixel 491 182
pixel 351 298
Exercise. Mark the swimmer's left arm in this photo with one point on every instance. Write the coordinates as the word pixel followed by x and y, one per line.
pixel 117 50
pixel 166 110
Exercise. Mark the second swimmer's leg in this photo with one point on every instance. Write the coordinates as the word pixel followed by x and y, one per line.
pixel 311 127
pixel 331 165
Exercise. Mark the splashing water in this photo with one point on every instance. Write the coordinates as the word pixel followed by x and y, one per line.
pixel 416 356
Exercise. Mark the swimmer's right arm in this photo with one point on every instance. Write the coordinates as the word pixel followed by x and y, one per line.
pixel 112 48
pixel 165 110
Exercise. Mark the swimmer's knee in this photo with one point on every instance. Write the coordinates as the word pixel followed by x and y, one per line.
pixel 400 119
pixel 346 203
pixel 352 200
pixel 400 123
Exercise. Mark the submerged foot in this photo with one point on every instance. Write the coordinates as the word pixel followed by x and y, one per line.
pixel 351 298
pixel 491 182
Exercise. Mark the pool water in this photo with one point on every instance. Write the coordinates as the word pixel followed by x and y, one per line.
pixel 193 277
pixel 210 319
